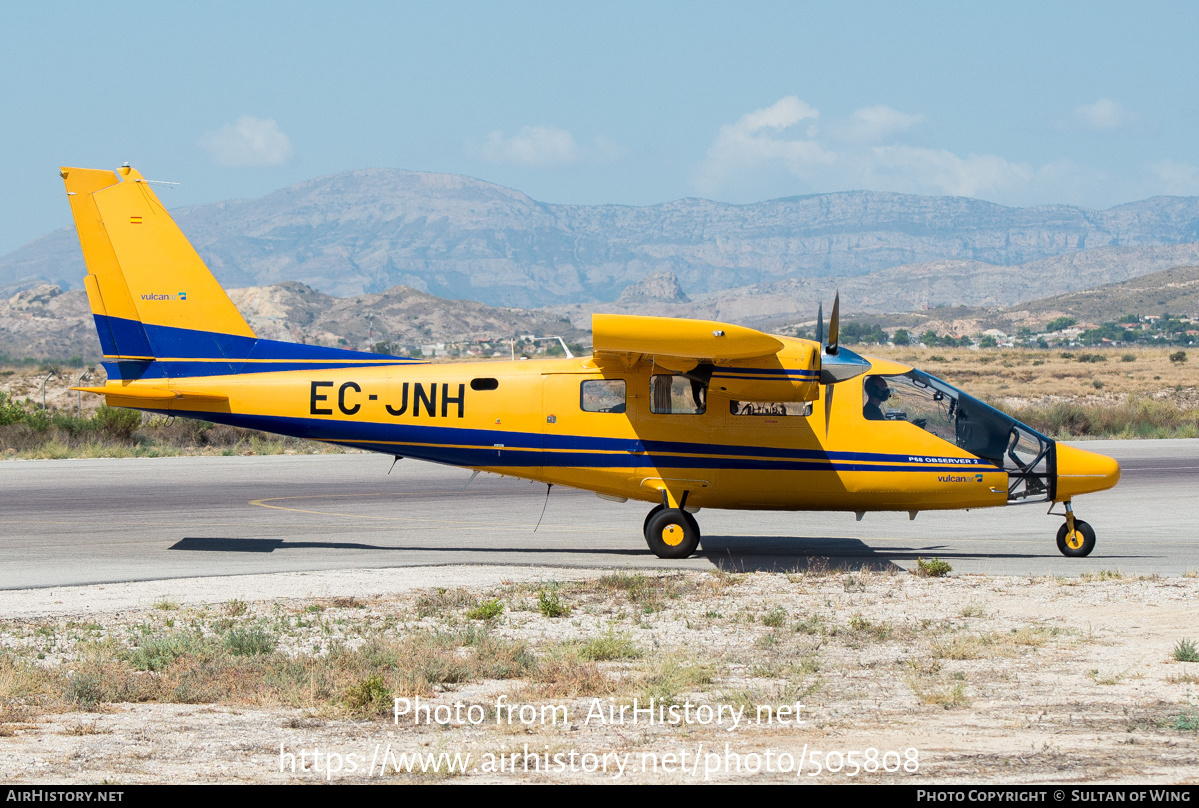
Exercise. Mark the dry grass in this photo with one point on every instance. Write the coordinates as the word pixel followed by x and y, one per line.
pixel 1056 393
pixel 942 695
pixel 999 373
pixel 988 645
pixel 244 667
pixel 696 637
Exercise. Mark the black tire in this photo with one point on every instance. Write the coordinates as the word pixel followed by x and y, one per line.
pixel 1088 540
pixel 672 533
pixel 657 509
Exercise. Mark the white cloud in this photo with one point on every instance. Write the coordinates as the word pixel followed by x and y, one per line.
pixel 872 124
pixel 1103 114
pixel 248 142
pixel 535 146
pixel 857 152
pixel 781 114
pixel 1179 179
pixel 545 147
pixel 790 148
pixel 759 137
pixel 606 150
pixel 942 171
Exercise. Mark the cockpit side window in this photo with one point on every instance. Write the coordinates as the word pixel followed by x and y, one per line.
pixel 903 398
pixel 980 429
pixel 875 392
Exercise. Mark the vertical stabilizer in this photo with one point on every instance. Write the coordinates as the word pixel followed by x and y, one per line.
pixel 151 288
pixel 117 322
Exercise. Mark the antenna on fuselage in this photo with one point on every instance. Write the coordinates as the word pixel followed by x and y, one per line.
pixel 548 488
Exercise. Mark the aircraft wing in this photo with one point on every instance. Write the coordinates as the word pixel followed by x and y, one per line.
pixel 691 339
pixel 737 362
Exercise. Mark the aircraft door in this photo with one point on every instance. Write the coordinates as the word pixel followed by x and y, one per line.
pixel 587 437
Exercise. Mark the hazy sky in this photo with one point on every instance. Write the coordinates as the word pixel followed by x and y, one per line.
pixel 1085 103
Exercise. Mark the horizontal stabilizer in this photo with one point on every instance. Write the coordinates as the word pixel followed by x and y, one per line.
pixel 686 339
pixel 151 394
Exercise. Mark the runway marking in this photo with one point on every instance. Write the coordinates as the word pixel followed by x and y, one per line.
pixel 1162 468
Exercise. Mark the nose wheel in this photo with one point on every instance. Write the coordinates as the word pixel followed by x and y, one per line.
pixel 1076 538
pixel 671 532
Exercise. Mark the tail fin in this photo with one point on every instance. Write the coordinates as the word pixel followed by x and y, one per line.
pixel 149 291
pixel 159 312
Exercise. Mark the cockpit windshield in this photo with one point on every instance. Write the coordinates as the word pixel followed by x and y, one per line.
pixel 980 429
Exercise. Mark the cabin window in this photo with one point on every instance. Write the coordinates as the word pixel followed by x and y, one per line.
pixel 602 395
pixel 484 384
pixel 770 407
pixel 677 395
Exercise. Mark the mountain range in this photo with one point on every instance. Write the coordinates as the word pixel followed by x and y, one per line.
pixel 364 232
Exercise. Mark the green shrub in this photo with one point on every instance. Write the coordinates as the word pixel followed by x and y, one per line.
pixel 487 610
pixel 608 647
pixel 118 422
pixel 85 689
pixel 1188 719
pixel 550 606
pixel 249 641
pixel 776 618
pixel 10 411
pixel 370 696
pixel 933 568
pixel 1185 651
pixel 74 426
pixel 156 653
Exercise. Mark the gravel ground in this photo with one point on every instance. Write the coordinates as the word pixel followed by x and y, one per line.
pixel 956 679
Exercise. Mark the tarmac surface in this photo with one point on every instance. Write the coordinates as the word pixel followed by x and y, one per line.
pixel 66 522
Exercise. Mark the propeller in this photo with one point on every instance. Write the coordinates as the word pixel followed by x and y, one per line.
pixel 837 364
pixel 831 346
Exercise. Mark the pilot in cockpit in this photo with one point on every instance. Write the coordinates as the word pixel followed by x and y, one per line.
pixel 876 393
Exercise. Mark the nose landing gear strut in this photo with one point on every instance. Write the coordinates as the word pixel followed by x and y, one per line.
pixel 1075 539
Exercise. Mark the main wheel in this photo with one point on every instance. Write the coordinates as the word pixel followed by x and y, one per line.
pixel 672 533
pixel 657 509
pixel 1078 544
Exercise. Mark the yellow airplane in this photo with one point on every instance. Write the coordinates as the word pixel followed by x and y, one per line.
pixel 686 414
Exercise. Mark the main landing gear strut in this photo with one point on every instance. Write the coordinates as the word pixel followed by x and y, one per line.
pixel 671 532
pixel 1076 539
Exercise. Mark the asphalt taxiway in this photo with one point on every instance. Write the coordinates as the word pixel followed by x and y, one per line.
pixel 94 521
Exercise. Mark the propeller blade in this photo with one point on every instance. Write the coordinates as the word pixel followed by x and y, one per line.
pixel 820 323
pixel 834 326
pixel 837 364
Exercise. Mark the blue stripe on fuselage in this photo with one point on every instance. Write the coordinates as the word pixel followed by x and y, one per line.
pixel 234 354
pixel 475 447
